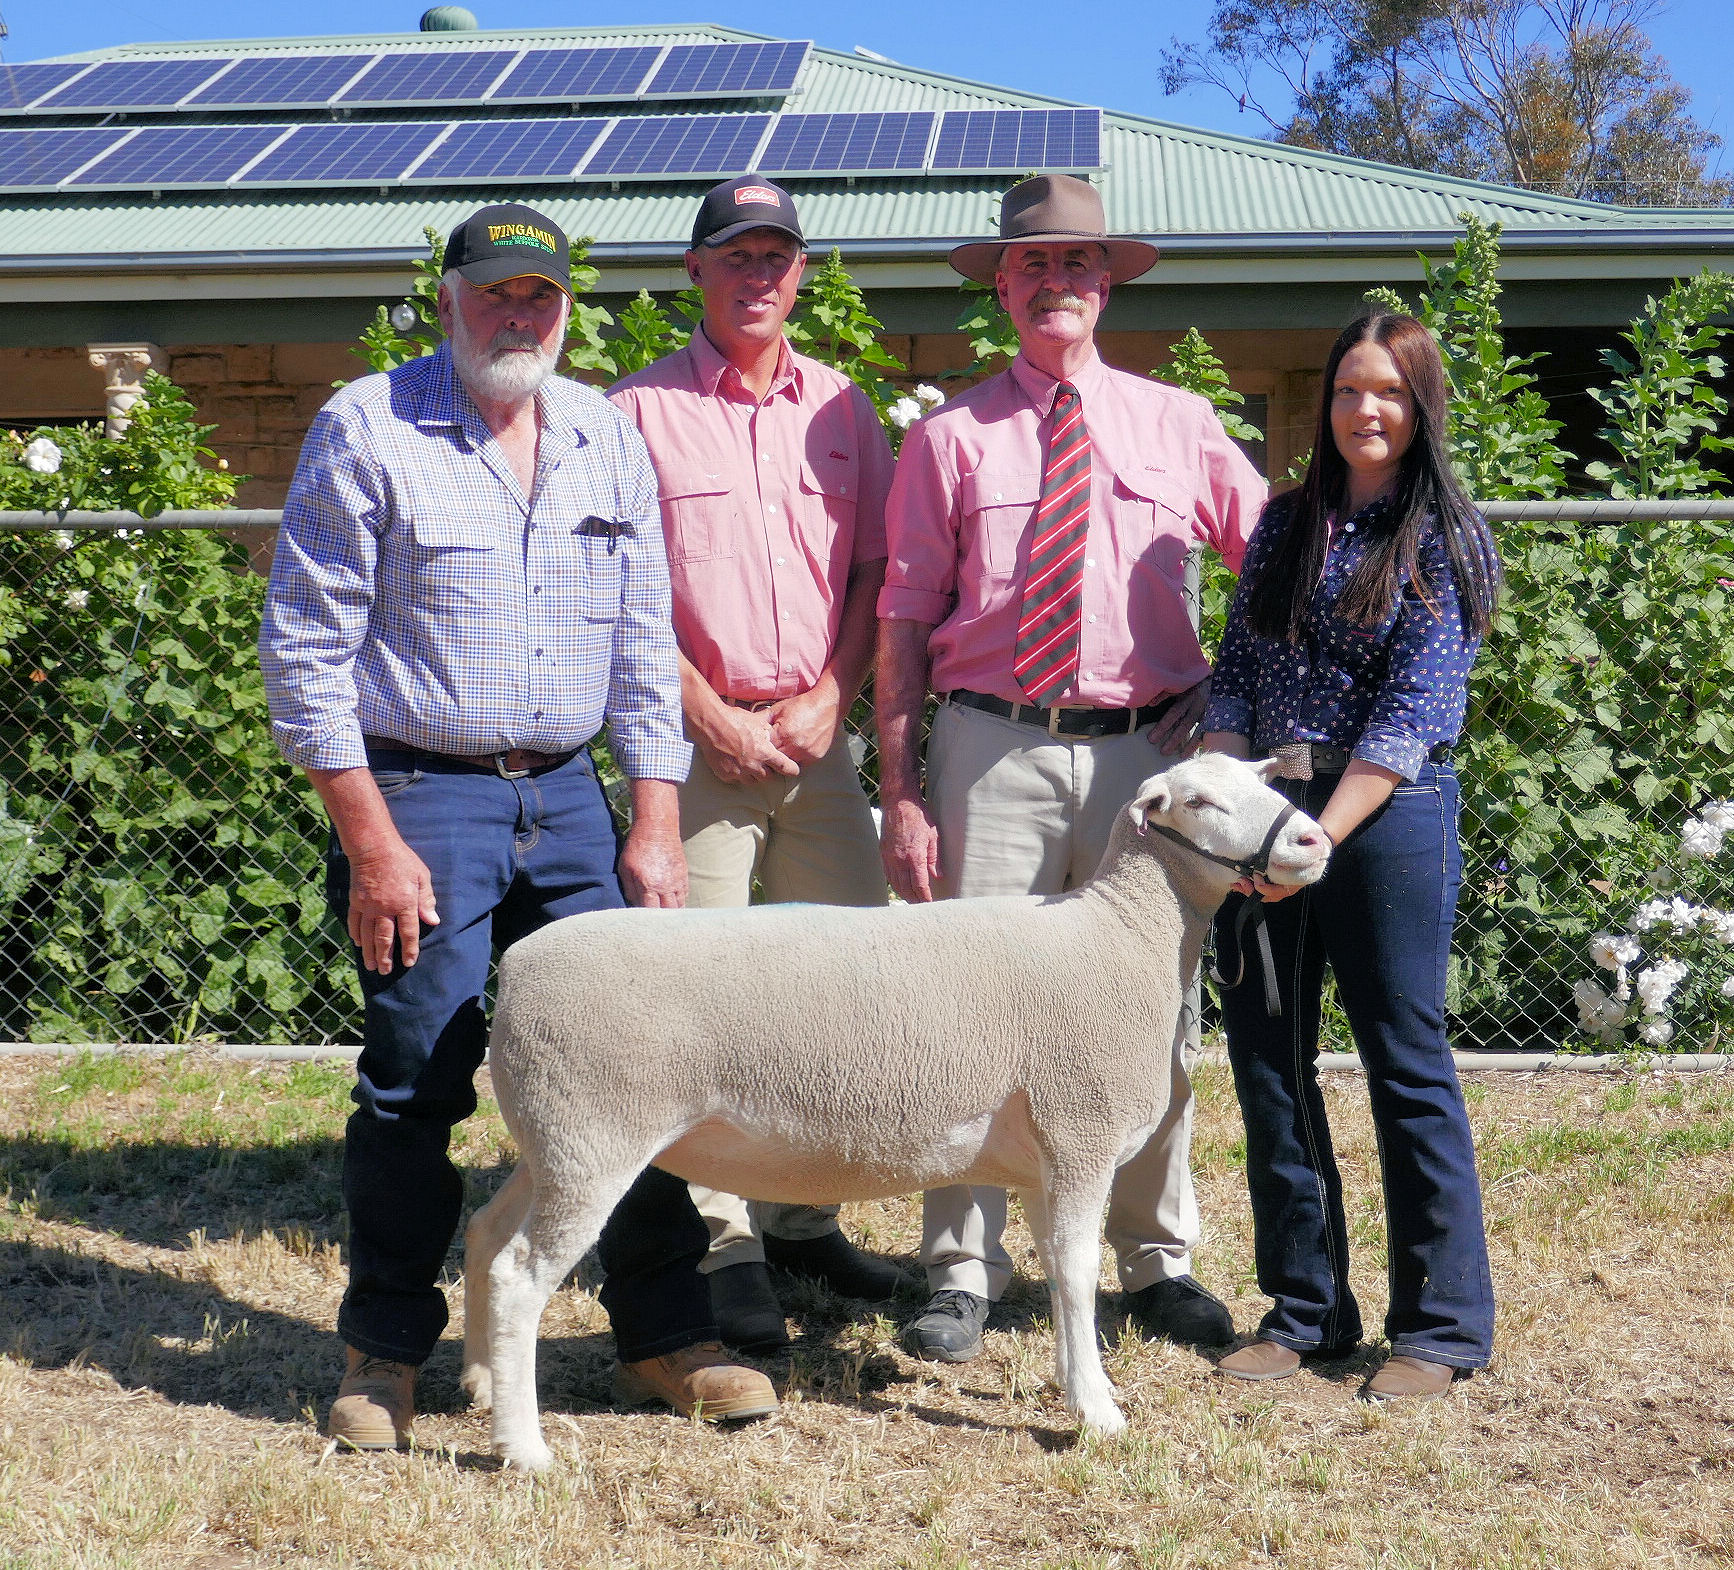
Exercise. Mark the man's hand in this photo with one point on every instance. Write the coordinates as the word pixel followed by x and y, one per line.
pixel 652 864
pixel 909 847
pixel 1175 731
pixel 804 727
pixel 390 897
pixel 739 744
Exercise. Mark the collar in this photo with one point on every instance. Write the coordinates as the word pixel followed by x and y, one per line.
pixel 1039 387
pixel 712 371
pixel 445 401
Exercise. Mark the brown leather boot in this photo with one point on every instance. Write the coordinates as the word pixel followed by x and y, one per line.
pixel 1408 1379
pixel 697 1381
pixel 1260 1360
pixel 375 1404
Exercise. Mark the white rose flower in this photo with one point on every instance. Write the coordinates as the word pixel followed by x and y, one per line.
pixel 78 600
pixel 42 457
pixel 1656 985
pixel 1719 815
pixel 1655 1033
pixel 64 539
pixel 1719 924
pixel 1613 951
pixel 1699 840
pixel 1591 1002
pixel 1682 914
pixel 1649 914
pixel 904 413
pixel 1728 986
pixel 930 397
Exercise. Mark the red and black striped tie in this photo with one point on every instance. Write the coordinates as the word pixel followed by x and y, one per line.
pixel 1046 657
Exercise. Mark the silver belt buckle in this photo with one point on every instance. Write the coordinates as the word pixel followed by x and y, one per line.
pixel 505 773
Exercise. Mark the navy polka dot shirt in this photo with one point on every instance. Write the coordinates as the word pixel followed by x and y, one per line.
pixel 1388 694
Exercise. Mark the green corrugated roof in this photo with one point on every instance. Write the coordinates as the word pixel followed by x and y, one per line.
pixel 1188 188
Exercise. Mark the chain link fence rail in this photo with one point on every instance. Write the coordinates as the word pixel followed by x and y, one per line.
pixel 161 873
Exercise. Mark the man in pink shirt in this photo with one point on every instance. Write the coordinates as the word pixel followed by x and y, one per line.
pixel 773 471
pixel 1062 688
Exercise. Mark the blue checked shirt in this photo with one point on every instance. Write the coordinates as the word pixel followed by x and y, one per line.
pixel 416 594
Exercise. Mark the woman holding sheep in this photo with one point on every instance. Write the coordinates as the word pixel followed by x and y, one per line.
pixel 1363 599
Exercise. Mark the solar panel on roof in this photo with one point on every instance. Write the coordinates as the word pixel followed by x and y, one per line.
pixel 1019 139
pixel 135 84
pixel 705 69
pixel 429 76
pixel 281 79
pixel 715 144
pixel 835 143
pixel 511 149
pixel 577 73
pixel 36 158
pixel 337 154
pixel 19 84
pixel 180 155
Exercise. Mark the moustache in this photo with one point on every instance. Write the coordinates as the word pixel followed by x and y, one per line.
pixel 507 341
pixel 1049 301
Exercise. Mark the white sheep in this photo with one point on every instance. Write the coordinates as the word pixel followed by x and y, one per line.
pixel 819 1054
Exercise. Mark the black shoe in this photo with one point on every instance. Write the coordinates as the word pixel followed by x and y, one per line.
pixel 834 1262
pixel 748 1316
pixel 949 1329
pixel 1179 1309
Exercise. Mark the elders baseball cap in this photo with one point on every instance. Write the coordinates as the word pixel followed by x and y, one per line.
pixel 736 206
pixel 510 241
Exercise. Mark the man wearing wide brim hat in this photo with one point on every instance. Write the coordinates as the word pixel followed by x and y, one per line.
pixel 1037 530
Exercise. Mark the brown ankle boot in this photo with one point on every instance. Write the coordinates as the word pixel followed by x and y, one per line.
pixel 1408 1379
pixel 375 1404
pixel 697 1380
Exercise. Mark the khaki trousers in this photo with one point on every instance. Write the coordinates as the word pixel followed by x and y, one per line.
pixel 811 840
pixel 1020 812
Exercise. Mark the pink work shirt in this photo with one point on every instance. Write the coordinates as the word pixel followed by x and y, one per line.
pixel 765 509
pixel 1163 475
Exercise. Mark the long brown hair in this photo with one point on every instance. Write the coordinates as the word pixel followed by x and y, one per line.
pixel 1427 491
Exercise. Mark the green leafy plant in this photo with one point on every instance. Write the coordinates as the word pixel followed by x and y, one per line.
pixel 1663 410
pixel 1197 368
pixel 646 335
pixel 993 337
pixel 832 323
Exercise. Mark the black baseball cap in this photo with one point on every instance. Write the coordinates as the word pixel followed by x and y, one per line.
pixel 510 241
pixel 751 202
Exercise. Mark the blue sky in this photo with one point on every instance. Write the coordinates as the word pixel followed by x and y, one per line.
pixel 1113 63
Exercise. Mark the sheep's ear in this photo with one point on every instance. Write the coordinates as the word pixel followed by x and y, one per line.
pixel 1154 797
pixel 1268 769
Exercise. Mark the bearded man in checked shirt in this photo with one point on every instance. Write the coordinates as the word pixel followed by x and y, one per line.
pixel 1063 688
pixel 469 581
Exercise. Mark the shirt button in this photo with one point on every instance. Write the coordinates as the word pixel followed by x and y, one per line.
pixel 1089 618
pixel 999 496
pixel 771 508
pixel 785 615
pixel 1348 528
pixel 538 654
pixel 1089 561
pixel 842 490
pixel 782 561
pixel 536 589
pixel 537 715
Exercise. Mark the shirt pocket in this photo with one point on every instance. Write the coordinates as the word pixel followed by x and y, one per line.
pixel 453 561
pixel 698 513
pixel 999 509
pixel 827 507
pixel 600 572
pixel 1152 513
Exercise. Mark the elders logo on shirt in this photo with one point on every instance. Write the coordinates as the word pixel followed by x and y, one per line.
pixel 750 195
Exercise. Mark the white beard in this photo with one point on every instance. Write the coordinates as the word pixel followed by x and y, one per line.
pixel 508 370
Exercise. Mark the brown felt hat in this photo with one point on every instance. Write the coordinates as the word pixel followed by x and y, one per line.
pixel 1048 208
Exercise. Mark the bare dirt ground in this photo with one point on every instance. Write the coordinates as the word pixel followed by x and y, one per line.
pixel 170 1270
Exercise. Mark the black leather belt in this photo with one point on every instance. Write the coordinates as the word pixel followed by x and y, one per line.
pixel 1074 722
pixel 512 764
pixel 1333 760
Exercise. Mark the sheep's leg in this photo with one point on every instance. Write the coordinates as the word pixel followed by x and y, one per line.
pixel 1041 1222
pixel 485 1236
pixel 1075 1226
pixel 560 1223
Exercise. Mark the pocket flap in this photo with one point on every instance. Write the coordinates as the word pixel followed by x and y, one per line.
pixel 1000 488
pixel 1156 485
pixel 835 479
pixel 689 479
pixel 455 534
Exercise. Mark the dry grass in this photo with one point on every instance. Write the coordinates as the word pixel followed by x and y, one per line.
pixel 169 1275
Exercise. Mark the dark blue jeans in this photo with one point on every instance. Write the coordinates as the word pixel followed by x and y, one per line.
pixel 506 857
pixel 1382 918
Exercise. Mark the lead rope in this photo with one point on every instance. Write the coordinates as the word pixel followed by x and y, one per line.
pixel 1252 913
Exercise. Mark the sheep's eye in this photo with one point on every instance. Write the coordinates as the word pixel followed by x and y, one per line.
pixel 1197 803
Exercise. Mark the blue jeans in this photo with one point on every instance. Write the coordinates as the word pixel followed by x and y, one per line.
pixel 506 857
pixel 1382 917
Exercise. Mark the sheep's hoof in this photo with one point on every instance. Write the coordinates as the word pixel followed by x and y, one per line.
pixel 527 1456
pixel 1105 1420
pixel 477 1382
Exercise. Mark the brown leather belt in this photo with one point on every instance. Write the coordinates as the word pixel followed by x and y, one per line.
pixel 512 764
pixel 1073 722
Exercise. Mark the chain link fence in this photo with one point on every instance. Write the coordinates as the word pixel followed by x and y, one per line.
pixel 161 867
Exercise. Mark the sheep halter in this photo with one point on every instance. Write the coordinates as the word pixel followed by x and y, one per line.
pixel 1251 910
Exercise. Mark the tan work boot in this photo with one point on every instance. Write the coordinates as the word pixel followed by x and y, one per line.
pixel 697 1381
pixel 1261 1360
pixel 375 1404
pixel 1409 1379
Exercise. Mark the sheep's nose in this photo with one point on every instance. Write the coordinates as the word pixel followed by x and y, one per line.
pixel 1312 839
